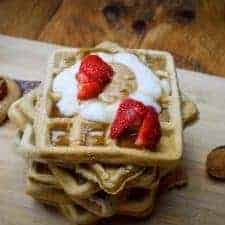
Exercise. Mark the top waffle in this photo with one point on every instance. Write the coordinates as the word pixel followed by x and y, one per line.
pixel 77 140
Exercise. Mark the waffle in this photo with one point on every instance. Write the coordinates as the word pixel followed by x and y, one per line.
pixel 82 191
pixel 102 149
pixel 44 173
pixel 40 171
pixel 135 198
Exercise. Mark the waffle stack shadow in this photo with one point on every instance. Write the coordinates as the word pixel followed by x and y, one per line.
pixel 70 165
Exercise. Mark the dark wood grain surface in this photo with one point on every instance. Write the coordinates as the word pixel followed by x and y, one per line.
pixel 193 30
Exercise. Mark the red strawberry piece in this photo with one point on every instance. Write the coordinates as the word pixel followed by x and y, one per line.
pixel 150 132
pixel 89 90
pixel 96 69
pixel 130 112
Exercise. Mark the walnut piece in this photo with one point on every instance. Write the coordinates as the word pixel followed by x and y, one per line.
pixel 3 88
pixel 215 163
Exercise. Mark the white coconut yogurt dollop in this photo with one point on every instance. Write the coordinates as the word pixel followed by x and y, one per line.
pixel 65 84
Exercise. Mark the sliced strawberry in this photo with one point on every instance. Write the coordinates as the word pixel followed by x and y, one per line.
pixel 96 69
pixel 92 77
pixel 150 132
pixel 89 90
pixel 130 113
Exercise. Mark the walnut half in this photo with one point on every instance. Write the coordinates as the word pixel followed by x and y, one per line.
pixel 215 163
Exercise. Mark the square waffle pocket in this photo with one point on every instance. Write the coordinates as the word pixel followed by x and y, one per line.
pixel 73 145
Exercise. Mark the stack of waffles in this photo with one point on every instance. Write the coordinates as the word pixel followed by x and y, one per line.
pixel 75 166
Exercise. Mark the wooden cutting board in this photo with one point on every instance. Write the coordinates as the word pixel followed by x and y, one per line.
pixel 201 202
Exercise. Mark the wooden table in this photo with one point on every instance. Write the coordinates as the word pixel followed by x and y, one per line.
pixel 193 30
pixel 201 202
